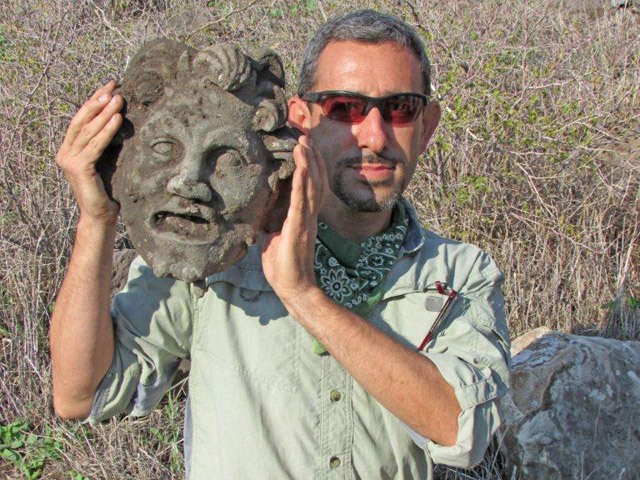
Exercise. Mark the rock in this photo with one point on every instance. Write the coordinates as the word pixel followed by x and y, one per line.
pixel 573 410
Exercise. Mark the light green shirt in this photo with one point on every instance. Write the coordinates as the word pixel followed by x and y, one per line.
pixel 262 405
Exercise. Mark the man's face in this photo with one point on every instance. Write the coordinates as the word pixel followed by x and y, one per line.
pixel 369 164
pixel 194 183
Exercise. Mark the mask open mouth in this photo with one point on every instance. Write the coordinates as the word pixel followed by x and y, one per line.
pixel 182 224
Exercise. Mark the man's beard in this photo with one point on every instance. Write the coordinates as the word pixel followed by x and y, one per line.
pixel 365 202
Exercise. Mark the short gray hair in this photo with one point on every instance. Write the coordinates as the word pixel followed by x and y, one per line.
pixel 366 26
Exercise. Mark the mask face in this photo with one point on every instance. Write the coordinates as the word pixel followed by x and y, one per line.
pixel 202 164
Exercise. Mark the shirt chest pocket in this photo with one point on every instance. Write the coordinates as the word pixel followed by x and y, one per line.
pixel 409 317
pixel 249 333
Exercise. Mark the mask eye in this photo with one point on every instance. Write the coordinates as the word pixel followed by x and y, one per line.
pixel 164 149
pixel 227 162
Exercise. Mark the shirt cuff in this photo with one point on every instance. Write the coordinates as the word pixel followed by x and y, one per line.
pixel 122 389
pixel 117 388
pixel 476 391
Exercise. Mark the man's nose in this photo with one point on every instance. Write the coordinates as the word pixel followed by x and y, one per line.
pixel 189 182
pixel 372 132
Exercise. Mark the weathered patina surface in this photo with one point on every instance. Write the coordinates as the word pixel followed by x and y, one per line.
pixel 202 164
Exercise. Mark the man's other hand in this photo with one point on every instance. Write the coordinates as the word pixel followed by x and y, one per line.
pixel 89 133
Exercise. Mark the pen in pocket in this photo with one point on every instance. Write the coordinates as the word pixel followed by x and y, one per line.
pixel 451 296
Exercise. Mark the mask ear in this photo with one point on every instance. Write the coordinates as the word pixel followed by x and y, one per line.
pixel 299 114
pixel 271 113
pixel 281 145
pixel 430 119
pixel 270 66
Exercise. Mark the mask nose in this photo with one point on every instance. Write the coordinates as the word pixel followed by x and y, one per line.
pixel 188 183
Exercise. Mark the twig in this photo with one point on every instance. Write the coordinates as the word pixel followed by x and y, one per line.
pixel 107 23
pixel 233 11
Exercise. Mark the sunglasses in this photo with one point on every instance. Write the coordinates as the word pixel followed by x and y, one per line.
pixel 350 107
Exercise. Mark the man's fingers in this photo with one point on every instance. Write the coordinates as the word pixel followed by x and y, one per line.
pixel 298 200
pixel 324 176
pixel 88 111
pixel 101 140
pixel 306 159
pixel 97 124
pixel 316 177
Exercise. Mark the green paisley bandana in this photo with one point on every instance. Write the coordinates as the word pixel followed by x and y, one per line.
pixel 352 273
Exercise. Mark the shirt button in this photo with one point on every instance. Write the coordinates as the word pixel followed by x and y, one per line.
pixel 334 462
pixel 335 395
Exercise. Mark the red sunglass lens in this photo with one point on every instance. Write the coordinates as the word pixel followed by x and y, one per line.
pixel 344 109
pixel 402 109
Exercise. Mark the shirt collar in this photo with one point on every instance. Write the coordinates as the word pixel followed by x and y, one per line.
pixel 414 239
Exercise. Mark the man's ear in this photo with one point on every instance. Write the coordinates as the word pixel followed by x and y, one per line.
pixel 299 114
pixel 430 119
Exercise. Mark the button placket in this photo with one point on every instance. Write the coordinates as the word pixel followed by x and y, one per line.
pixel 336 425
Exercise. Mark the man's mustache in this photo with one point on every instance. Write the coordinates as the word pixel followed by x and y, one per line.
pixel 370 158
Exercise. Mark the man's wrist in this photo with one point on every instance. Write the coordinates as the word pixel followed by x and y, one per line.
pixel 98 223
pixel 304 301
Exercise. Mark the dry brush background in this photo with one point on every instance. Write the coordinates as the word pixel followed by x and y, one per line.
pixel 537 160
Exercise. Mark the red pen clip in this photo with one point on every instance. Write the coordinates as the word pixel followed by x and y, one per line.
pixel 451 296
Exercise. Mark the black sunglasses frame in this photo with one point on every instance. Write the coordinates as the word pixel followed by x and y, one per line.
pixel 371 102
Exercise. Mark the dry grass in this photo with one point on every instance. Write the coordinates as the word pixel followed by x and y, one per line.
pixel 536 161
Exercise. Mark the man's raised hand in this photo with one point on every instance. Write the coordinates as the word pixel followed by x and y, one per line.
pixel 287 256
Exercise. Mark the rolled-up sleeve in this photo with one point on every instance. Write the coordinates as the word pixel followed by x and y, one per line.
pixel 153 325
pixel 472 354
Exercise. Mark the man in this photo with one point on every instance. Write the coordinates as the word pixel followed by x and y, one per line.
pixel 311 357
